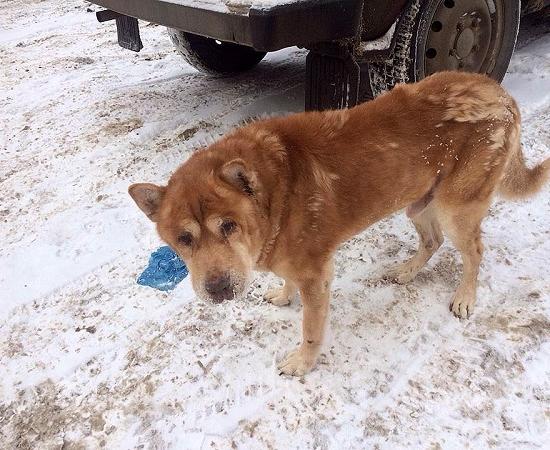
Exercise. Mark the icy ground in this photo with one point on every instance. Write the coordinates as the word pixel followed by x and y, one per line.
pixel 89 359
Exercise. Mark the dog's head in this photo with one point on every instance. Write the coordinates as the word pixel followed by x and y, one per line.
pixel 210 213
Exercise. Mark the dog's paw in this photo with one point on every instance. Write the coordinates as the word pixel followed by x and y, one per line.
pixel 462 305
pixel 402 274
pixel 296 363
pixel 279 296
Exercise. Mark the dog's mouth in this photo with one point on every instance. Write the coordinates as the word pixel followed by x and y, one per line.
pixel 232 293
pixel 220 288
pixel 227 293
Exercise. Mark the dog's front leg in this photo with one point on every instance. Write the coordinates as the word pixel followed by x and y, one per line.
pixel 315 295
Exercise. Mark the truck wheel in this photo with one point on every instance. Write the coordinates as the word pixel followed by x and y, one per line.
pixel 435 35
pixel 470 35
pixel 213 56
pixel 398 66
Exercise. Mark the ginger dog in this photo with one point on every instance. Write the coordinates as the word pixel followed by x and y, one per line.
pixel 281 194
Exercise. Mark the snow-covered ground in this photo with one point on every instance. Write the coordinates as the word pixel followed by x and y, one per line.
pixel 89 359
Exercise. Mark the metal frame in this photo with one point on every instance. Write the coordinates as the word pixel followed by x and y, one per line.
pixel 299 23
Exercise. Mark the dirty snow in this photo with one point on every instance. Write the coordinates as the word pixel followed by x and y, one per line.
pixel 90 359
pixel 237 6
pixel 240 7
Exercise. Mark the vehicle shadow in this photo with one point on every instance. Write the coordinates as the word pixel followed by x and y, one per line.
pixel 275 86
pixel 533 26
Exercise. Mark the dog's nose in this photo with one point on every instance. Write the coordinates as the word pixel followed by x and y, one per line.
pixel 219 287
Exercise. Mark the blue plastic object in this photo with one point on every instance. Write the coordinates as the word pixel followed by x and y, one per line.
pixel 165 270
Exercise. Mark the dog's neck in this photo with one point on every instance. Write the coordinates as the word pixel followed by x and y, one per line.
pixel 267 249
pixel 277 186
pixel 275 214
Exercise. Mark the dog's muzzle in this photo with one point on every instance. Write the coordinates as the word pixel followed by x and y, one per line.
pixel 220 287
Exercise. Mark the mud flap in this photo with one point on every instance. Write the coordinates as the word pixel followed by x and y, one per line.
pixel 338 76
pixel 127 29
pixel 332 81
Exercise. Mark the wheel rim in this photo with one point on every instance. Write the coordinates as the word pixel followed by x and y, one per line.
pixel 462 35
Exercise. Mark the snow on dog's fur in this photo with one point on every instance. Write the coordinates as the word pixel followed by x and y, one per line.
pixel 281 194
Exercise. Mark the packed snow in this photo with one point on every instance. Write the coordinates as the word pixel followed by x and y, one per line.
pixel 90 359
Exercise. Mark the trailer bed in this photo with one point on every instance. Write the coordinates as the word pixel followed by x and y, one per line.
pixel 265 25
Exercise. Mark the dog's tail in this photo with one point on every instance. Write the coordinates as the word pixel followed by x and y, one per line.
pixel 519 181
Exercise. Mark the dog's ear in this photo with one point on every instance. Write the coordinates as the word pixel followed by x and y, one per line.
pixel 238 175
pixel 148 197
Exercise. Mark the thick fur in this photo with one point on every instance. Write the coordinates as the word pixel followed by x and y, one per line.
pixel 281 194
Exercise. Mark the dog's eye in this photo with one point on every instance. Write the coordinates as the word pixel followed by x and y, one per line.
pixel 185 238
pixel 227 227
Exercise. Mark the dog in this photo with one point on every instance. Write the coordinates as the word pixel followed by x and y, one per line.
pixel 282 194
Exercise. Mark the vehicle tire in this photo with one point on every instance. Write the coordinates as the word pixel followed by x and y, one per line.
pixel 212 56
pixel 469 35
pixel 419 35
pixel 398 66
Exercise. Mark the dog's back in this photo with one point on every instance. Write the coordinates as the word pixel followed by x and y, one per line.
pixel 453 136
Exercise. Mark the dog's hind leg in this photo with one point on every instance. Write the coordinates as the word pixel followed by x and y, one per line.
pixel 283 295
pixel 430 239
pixel 462 225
